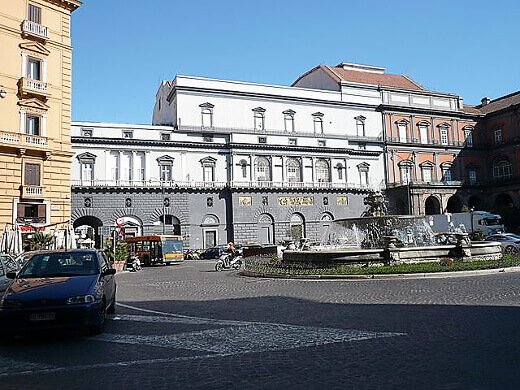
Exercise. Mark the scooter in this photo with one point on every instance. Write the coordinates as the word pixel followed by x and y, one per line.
pixel 133 264
pixel 228 261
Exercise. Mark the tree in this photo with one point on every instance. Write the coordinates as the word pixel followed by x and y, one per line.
pixel 40 241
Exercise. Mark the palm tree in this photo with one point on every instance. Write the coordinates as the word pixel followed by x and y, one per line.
pixel 40 241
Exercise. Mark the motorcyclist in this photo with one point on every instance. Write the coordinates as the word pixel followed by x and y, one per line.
pixel 231 250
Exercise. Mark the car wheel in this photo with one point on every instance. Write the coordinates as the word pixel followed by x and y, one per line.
pixel 510 250
pixel 100 327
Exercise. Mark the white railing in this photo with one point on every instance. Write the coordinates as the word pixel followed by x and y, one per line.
pixel 22 139
pixel 215 184
pixel 33 28
pixel 32 191
pixel 34 85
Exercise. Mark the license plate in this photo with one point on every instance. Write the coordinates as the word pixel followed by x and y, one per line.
pixel 42 316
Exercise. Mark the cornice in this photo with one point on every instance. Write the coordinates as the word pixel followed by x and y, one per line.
pixel 388 108
pixel 70 5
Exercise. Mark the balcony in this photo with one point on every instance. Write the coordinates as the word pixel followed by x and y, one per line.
pixel 23 140
pixel 433 183
pixel 32 192
pixel 33 87
pixel 35 29
pixel 429 142
pixel 217 185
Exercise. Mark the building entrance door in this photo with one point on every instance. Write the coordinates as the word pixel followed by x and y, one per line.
pixel 210 238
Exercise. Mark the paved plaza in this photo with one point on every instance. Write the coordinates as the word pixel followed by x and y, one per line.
pixel 187 326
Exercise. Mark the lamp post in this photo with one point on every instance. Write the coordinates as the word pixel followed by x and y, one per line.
pixel 163 210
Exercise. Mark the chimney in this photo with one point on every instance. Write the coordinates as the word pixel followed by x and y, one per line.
pixel 485 101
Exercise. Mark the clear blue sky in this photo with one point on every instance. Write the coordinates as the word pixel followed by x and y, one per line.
pixel 124 48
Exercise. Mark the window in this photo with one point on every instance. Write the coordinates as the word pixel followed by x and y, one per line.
pixel 363 169
pixel 140 163
pixel 165 136
pixel 34 14
pixel 322 142
pixel 86 132
pixel 127 166
pixel 262 140
pixel 87 172
pixel 207 115
pixel 293 171
pixel 259 118
pixel 402 130
pixel 498 136
pixel 468 136
pixel 317 119
pixel 114 165
pixel 165 168
pixel 405 169
pixel 293 141
pixel 208 169
pixel 288 119
pixel 33 125
pixel 340 169
pixel 444 135
pixel 472 176
pixel 128 134
pixel 446 173
pixel 360 126
pixel 28 212
pixel 427 174
pixel 243 168
pixel 32 174
pixel 262 169
pixel 322 171
pixel 34 68
pixel 502 169
pixel 423 132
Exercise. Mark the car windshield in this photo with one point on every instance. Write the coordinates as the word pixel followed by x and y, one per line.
pixel 60 264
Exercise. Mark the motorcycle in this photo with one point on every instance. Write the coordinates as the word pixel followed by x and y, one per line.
pixel 133 264
pixel 228 261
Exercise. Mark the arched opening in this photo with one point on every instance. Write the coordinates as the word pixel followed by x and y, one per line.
pixel 266 229
pixel 454 204
pixel 87 228
pixel 432 206
pixel 326 222
pixel 297 227
pixel 503 200
pixel 170 224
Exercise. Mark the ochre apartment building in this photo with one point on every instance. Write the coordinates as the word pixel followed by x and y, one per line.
pixel 35 111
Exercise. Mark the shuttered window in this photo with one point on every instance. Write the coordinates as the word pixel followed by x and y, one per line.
pixel 32 175
pixel 35 14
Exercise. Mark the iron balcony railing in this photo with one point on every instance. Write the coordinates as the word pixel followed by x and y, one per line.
pixel 417 141
pixel 217 184
pixel 32 28
pixel 23 140
pixel 437 183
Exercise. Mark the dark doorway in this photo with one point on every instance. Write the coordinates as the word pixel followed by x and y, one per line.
pixel 94 223
pixel 454 204
pixel 432 206
pixel 474 202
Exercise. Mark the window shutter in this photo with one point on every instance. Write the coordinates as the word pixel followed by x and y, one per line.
pixel 35 14
pixel 20 210
pixel 32 175
pixel 42 211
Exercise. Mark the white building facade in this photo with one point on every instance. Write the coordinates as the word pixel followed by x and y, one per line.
pixel 228 160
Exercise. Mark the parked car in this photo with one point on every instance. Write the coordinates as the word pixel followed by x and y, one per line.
pixel 7 264
pixel 510 242
pixel 214 252
pixel 56 289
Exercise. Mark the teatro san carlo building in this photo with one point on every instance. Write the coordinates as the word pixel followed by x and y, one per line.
pixel 234 161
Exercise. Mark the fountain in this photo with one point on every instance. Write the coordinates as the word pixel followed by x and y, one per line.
pixel 377 238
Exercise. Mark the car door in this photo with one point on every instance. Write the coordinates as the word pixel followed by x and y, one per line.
pixel 109 281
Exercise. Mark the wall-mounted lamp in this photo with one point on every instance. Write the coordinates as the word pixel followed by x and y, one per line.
pixel 3 92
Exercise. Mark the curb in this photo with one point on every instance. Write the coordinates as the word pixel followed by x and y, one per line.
pixel 433 275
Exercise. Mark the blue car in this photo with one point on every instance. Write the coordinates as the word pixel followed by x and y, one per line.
pixel 59 289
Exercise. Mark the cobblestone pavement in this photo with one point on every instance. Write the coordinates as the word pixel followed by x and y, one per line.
pixel 189 327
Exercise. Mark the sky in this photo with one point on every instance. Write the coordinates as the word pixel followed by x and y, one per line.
pixel 123 49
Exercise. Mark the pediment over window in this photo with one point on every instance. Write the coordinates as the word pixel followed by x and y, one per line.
pixel 446 165
pixel 208 161
pixel 402 122
pixel 35 47
pixel 360 118
pixel 423 123
pixel 206 105
pixel 426 164
pixel 444 125
pixel 259 109
pixel 86 157
pixel 405 163
pixel 318 114
pixel 363 166
pixel 33 103
pixel 468 128
pixel 289 112
pixel 165 160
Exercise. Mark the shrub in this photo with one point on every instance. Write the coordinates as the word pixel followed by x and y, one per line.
pixel 446 262
pixel 477 235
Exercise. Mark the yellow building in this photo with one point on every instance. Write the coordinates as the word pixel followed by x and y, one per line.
pixel 35 111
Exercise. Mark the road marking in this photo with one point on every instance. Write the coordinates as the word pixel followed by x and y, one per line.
pixel 8 365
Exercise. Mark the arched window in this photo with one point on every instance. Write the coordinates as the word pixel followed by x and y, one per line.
pixel 502 169
pixel 262 169
pixel 288 119
pixel 243 168
pixel 297 226
pixel 322 171
pixel 293 171
pixel 340 168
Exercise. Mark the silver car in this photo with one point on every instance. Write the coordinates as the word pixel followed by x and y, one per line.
pixel 510 242
pixel 7 264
